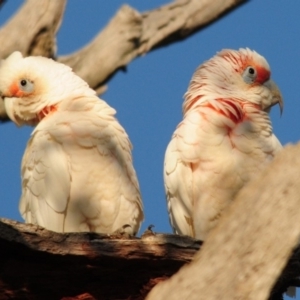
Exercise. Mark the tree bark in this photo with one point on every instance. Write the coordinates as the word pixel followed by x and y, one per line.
pixel 40 264
pixel 128 35
pixel 38 21
pixel 247 251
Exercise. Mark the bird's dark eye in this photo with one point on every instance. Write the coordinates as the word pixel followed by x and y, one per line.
pixel 251 71
pixel 26 85
pixel 249 74
pixel 23 82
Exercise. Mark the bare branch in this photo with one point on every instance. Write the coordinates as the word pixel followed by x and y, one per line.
pixel 40 239
pixel 130 34
pixel 178 20
pixel 41 264
pixel 112 49
pixel 247 251
pixel 33 29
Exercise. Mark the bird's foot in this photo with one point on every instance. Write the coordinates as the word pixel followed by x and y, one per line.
pixel 125 232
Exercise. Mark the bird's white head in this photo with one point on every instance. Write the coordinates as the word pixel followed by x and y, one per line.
pixel 242 75
pixel 32 87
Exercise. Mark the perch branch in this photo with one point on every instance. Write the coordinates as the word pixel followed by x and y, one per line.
pixel 40 264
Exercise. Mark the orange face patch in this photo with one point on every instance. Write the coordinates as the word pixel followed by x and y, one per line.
pixel 15 91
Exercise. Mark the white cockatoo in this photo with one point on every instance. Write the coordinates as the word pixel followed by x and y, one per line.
pixel 77 172
pixel 224 140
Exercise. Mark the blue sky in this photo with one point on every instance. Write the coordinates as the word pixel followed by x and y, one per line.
pixel 148 98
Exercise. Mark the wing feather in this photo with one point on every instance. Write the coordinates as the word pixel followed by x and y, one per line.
pixel 178 185
pixel 45 181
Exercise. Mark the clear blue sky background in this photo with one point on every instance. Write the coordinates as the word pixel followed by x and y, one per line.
pixel 148 97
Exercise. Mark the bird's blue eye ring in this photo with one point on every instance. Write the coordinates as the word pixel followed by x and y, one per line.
pixel 26 85
pixel 249 75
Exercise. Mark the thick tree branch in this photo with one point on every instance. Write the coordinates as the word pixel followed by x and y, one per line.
pixel 246 253
pixel 179 19
pixel 32 30
pixel 128 35
pixel 94 245
pixel 112 49
pixel 40 264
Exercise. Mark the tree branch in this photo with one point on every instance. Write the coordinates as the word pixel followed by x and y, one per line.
pixel 247 251
pixel 38 22
pixel 179 19
pixel 40 264
pixel 130 34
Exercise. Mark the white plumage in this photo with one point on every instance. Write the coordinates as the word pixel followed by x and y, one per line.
pixel 224 140
pixel 77 172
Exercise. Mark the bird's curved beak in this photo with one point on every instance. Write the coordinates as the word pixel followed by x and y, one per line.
pixel 277 97
pixel 8 104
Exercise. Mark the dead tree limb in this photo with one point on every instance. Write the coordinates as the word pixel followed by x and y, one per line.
pixel 32 30
pixel 128 34
pixel 40 264
pixel 246 253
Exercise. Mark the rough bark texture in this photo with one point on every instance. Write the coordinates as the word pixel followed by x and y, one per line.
pixel 38 21
pixel 246 253
pixel 128 34
pixel 40 264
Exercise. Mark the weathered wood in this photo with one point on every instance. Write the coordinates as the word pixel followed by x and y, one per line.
pixel 245 254
pixel 99 245
pixel 40 264
pixel 130 34
pixel 38 22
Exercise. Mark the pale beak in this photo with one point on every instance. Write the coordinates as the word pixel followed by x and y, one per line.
pixel 8 104
pixel 277 97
